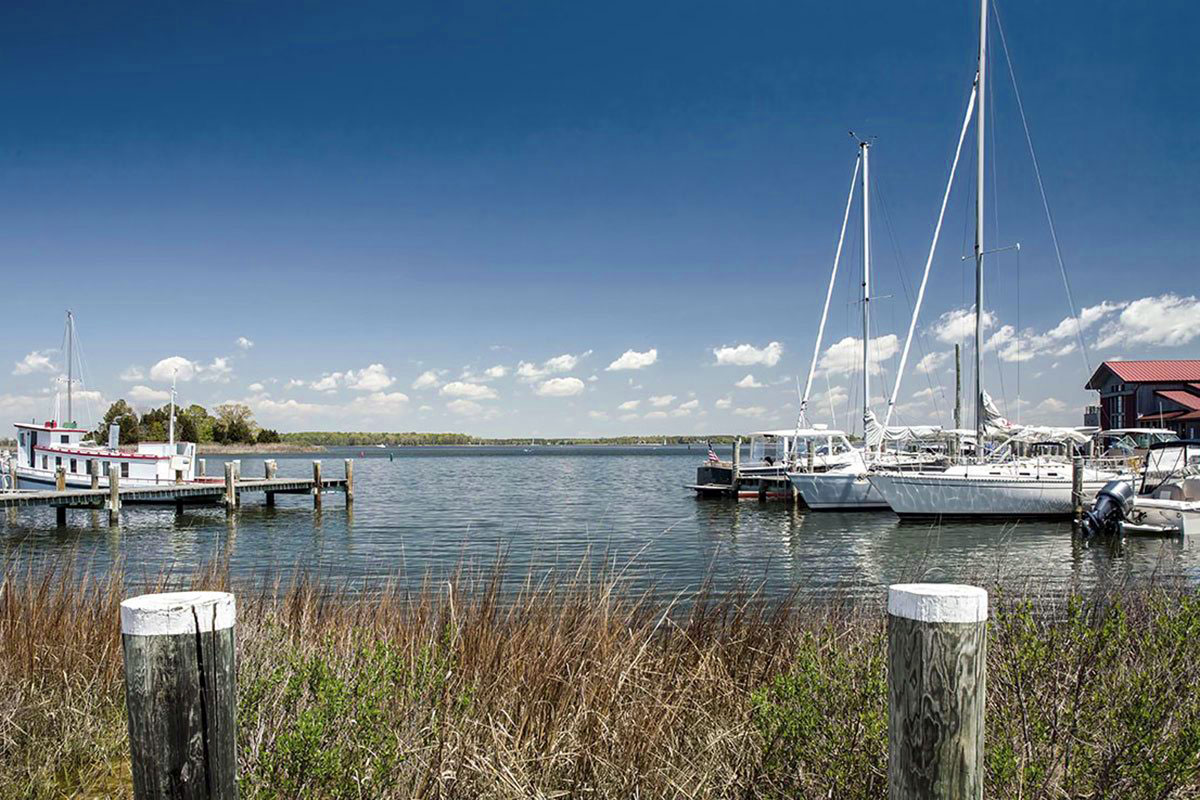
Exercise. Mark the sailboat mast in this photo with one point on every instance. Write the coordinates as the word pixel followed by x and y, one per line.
pixel 70 366
pixel 866 281
pixel 979 195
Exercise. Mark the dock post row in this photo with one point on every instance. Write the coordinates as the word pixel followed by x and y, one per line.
pixel 227 493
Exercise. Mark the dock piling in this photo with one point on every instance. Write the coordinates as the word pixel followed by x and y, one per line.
pixel 269 470
pixel 60 479
pixel 1077 490
pixel 349 481
pixel 114 494
pixel 937 648
pixel 94 472
pixel 180 686
pixel 230 488
pixel 316 484
pixel 735 478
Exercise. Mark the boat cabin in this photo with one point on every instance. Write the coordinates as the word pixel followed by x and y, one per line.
pixel 44 447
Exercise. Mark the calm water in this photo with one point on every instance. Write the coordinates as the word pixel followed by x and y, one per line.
pixel 547 507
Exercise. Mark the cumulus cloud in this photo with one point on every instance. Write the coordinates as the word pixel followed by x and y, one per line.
pixel 463 407
pixel 1164 321
pixel 380 403
pixel 327 382
pixel 372 378
pixel 748 382
pixel 528 371
pixel 662 400
pixel 629 405
pixel 724 402
pixel 632 359
pixel 598 415
pixel 144 395
pixel 255 387
pixel 656 415
pixel 685 409
pixel 174 367
pixel 218 371
pixel 132 373
pixel 959 324
pixel 560 387
pixel 846 356
pixel 471 391
pixel 498 371
pixel 293 383
pixel 426 380
pixel 745 355
pixel 37 361
pixel 750 411
pixel 244 343
pixel 932 362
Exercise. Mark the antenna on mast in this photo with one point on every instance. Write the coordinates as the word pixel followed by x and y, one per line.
pixel 70 420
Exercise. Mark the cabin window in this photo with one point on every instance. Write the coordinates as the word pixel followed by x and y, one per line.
pixel 57 461
pixel 106 466
pixel 124 469
pixel 73 469
pixel 64 439
pixel 44 464
pixel 22 439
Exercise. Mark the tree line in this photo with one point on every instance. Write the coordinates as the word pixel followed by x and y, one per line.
pixel 230 423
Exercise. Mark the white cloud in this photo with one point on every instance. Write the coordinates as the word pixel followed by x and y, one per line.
pixel 1051 405
pixel 560 387
pixel 498 371
pixel 724 402
pixel 748 382
pixel 959 324
pixel 377 403
pixel 328 382
pixel 1164 321
pixel 932 362
pixel 846 356
pixel 629 405
pixel 426 380
pixel 37 361
pixel 598 415
pixel 464 408
pixel 566 362
pixel 656 415
pixel 132 373
pixel 255 387
pixel 685 409
pixel 750 411
pixel 632 359
pixel 244 343
pixel 924 394
pixel 662 400
pixel 372 378
pixel 176 367
pixel 293 383
pixel 690 405
pixel 593 379
pixel 745 355
pixel 147 396
pixel 218 371
pixel 471 391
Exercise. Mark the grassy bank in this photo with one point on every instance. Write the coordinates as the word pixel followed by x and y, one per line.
pixel 575 687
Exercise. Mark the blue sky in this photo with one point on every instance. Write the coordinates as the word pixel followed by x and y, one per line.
pixel 369 193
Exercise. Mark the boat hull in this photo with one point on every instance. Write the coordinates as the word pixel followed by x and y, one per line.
pixel 1163 517
pixel 924 495
pixel 836 491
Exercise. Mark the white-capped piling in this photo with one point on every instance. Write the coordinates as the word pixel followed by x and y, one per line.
pixel 230 487
pixel 180 692
pixel 937 664
pixel 270 468
pixel 316 489
pixel 94 473
pixel 114 494
pixel 349 481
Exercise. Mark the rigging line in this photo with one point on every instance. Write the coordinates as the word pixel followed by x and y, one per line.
pixel 1062 269
pixel 937 231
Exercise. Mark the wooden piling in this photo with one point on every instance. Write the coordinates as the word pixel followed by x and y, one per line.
pixel 94 472
pixel 180 694
pixel 937 649
pixel 269 470
pixel 114 494
pixel 60 479
pixel 230 488
pixel 60 516
pixel 316 490
pixel 1077 489
pixel 349 481
pixel 736 475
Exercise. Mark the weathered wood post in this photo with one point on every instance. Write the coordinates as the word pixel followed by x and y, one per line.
pixel 94 472
pixel 60 479
pixel 201 468
pixel 316 490
pixel 937 668
pixel 230 488
pixel 349 482
pixel 180 694
pixel 1077 489
pixel 736 474
pixel 269 470
pixel 114 494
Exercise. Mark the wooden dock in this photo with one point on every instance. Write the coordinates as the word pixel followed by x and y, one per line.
pixel 201 492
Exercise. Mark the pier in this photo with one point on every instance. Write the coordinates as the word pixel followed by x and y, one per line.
pixel 202 492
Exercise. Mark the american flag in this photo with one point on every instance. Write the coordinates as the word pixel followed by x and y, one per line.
pixel 712 454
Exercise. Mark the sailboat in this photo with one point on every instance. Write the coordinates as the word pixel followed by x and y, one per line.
pixel 1007 483
pixel 45 447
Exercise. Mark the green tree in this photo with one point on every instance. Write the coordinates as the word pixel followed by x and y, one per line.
pixel 268 436
pixel 123 414
pixel 237 422
pixel 199 424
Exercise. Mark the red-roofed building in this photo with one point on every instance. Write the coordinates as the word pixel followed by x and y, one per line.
pixel 1143 394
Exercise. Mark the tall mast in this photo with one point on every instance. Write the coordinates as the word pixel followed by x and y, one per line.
pixel 979 195
pixel 866 281
pixel 171 424
pixel 70 366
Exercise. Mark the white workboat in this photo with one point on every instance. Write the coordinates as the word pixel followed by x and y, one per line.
pixel 43 448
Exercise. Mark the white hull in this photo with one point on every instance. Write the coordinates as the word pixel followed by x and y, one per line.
pixel 38 479
pixel 837 491
pixel 925 494
pixel 1163 517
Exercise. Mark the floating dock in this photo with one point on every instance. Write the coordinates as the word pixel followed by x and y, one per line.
pixel 202 492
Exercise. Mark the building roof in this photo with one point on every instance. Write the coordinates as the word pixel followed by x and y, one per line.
pixel 1185 399
pixel 1178 371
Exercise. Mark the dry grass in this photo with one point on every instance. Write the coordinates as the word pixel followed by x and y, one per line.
pixel 575 687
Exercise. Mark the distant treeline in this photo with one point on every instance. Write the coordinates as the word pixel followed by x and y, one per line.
pixel 414 439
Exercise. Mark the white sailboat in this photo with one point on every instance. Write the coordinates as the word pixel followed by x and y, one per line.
pixel 1006 483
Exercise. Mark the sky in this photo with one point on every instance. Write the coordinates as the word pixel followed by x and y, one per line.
pixel 555 219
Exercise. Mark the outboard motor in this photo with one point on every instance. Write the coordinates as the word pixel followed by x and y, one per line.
pixel 1112 506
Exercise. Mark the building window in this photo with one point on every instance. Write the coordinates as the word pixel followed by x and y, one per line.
pixel 73 469
pixel 65 439
pixel 57 462
pixel 124 469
